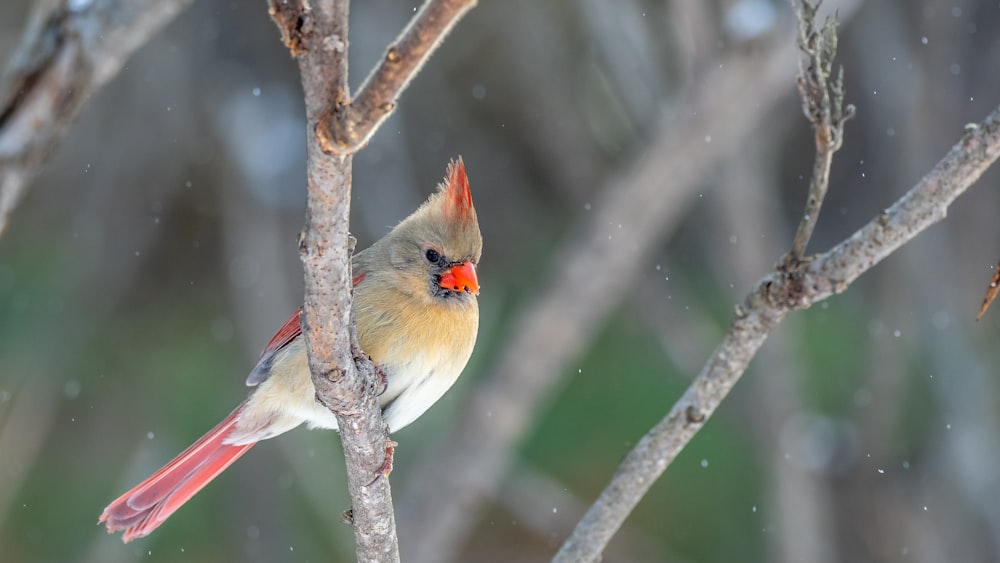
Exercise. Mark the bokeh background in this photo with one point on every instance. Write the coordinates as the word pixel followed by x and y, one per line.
pixel 156 253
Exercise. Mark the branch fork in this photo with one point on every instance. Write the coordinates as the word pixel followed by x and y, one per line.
pixel 346 381
pixel 348 126
pixel 796 283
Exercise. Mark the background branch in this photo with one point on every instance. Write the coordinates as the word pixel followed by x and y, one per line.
pixel 597 255
pixel 778 293
pixel 69 50
pixel 120 284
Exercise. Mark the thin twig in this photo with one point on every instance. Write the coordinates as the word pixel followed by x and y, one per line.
pixel 777 294
pixel 66 54
pixel 991 292
pixel 349 125
pixel 823 103
pixel 800 503
pixel 316 33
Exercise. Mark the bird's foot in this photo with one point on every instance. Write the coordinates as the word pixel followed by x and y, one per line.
pixel 383 379
pixel 386 468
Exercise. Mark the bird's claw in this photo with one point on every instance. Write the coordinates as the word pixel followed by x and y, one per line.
pixel 386 468
pixel 383 379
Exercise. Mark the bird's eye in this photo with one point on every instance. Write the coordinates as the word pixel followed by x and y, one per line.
pixel 432 256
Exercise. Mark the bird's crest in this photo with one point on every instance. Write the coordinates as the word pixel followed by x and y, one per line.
pixel 457 196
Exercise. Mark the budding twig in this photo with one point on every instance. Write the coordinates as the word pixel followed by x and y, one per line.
pixel 823 103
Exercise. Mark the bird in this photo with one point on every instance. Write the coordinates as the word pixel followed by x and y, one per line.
pixel 417 313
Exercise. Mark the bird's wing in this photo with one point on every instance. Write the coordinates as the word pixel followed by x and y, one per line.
pixel 287 333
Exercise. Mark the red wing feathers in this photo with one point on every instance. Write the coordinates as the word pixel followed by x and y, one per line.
pixel 288 332
pixel 293 326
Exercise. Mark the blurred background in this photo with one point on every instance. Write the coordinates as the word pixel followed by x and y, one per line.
pixel 637 167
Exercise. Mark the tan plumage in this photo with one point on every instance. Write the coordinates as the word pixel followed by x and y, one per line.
pixel 417 317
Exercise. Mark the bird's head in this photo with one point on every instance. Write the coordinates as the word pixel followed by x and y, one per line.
pixel 435 251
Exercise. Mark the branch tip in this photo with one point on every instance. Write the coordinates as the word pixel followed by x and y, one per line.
pixel 822 96
pixel 991 292
pixel 290 17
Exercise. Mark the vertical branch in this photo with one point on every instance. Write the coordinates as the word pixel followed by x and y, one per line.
pixel 316 33
pixel 823 104
pixel 342 375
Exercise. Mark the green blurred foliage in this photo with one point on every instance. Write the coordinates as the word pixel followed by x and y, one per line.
pixel 129 269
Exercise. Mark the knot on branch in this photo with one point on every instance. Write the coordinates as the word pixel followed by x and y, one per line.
pixel 788 287
pixel 349 126
pixel 795 294
pixel 335 131
pixel 333 394
pixel 347 391
pixel 292 21
pixel 693 415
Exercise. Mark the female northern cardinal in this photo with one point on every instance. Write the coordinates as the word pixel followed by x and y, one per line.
pixel 417 317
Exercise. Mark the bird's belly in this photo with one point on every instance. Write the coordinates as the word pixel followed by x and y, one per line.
pixel 414 387
pixel 316 415
pixel 283 400
pixel 287 397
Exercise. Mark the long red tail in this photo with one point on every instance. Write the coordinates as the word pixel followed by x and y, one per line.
pixel 142 509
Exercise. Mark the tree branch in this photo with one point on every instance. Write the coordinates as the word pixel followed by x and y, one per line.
pixel 343 376
pixel 316 33
pixel 991 292
pixel 822 102
pixel 349 126
pixel 67 53
pixel 778 293
pixel 596 257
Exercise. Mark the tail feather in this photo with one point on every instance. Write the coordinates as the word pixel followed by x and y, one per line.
pixel 147 505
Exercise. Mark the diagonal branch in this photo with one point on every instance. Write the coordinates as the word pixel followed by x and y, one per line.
pixel 596 257
pixel 68 52
pixel 778 293
pixel 349 125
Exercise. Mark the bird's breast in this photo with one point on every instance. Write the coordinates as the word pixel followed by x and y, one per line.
pixel 422 348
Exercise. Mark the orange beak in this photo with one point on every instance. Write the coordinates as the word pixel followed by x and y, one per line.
pixel 461 277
